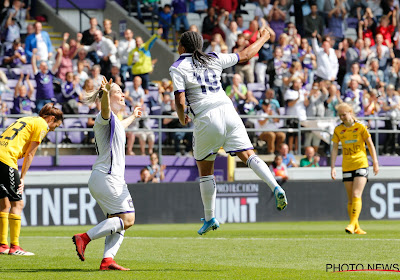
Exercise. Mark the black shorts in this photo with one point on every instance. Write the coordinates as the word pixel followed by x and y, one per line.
pixel 349 176
pixel 9 182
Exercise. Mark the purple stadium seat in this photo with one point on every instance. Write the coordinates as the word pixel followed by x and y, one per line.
pixel 52 136
pixel 75 137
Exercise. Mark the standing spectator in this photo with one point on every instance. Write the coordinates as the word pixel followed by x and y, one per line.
pixel 12 31
pixel 227 5
pixel 263 10
pixel 44 79
pixel 105 52
pixel 392 110
pixel 40 41
pixel 21 15
pixel 66 62
pixel 165 21
pixel 276 19
pixel 375 76
pixel 279 170
pixel 243 69
pixel 88 35
pixel 22 97
pixel 231 32
pixel 393 74
pixel 109 33
pixel 179 14
pixel 140 59
pixel 327 61
pixel 274 139
pixel 308 59
pixel 335 21
pixel 216 44
pixel 156 170
pixel 240 22
pixel 314 22
pixel 386 29
pixel 124 48
pixel 287 158
pixel 136 93
pixel 276 69
pixel 381 52
pixel 71 95
pixel 310 160
pixel 210 22
pixel 333 100
pixel 315 107
pixel 295 106
pixel 354 74
pixel 355 98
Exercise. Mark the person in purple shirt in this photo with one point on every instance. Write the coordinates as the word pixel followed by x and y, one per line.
pixel 71 94
pixel 179 14
pixel 44 79
pixel 22 97
pixel 15 56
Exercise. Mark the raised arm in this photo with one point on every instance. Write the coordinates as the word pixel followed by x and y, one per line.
pixel 105 98
pixel 58 60
pixel 246 54
pixel 137 113
pixel 18 85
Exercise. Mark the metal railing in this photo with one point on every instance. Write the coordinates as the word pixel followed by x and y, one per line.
pixel 159 129
pixel 81 12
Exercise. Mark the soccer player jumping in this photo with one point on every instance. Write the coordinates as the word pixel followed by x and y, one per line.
pixel 196 77
pixel 107 184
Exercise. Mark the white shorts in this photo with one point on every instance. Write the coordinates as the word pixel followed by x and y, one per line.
pixel 219 127
pixel 111 193
pixel 146 135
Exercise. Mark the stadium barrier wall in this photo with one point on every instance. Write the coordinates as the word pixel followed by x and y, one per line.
pixel 242 202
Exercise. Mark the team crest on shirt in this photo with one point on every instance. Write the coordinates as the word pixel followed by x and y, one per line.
pixel 355 130
pixel 343 131
pixel 130 203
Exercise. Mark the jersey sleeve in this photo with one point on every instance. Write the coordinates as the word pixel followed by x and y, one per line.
pixel 101 121
pixel 335 137
pixel 365 133
pixel 228 59
pixel 40 131
pixel 177 80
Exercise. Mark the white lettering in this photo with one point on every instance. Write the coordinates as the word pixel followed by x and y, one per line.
pixel 221 210
pixel 67 207
pixel 51 207
pixel 234 210
pixel 243 213
pixel 392 200
pixel 86 206
pixel 252 202
pixel 379 200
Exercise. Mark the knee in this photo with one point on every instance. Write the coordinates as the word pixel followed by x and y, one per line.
pixel 129 220
pixel 17 207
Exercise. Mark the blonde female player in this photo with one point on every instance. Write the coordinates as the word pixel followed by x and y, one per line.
pixel 353 135
pixel 20 140
pixel 196 77
pixel 107 184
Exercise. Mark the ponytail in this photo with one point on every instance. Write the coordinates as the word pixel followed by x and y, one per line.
pixel 92 96
pixel 193 43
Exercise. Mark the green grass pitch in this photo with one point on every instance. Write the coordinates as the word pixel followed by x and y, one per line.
pixel 286 250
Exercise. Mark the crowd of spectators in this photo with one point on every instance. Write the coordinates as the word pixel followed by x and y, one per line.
pixel 321 53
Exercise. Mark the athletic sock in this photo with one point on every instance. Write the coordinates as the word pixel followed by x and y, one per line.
pixel 349 210
pixel 112 244
pixel 356 210
pixel 208 192
pixel 106 227
pixel 15 228
pixel 261 169
pixel 3 227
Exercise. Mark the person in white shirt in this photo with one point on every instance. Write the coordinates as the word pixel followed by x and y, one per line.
pixel 124 48
pixel 231 32
pixel 107 184
pixel 105 52
pixel 196 77
pixel 327 61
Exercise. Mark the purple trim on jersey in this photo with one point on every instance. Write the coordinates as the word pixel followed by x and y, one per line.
pixel 178 91
pixel 180 59
pixel 213 54
pixel 232 153
pixel 122 213
pixel 112 129
pixel 238 57
pixel 121 223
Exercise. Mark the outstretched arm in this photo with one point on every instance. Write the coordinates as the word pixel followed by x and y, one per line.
pixel 246 54
pixel 105 98
pixel 137 113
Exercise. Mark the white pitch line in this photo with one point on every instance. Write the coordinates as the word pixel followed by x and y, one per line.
pixel 234 238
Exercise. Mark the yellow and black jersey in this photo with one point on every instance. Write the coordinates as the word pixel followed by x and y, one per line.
pixel 353 144
pixel 16 138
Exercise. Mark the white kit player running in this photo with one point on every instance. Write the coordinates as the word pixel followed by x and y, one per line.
pixel 196 77
pixel 107 184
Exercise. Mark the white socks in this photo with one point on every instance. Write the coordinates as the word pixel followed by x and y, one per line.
pixel 106 227
pixel 261 169
pixel 208 192
pixel 113 242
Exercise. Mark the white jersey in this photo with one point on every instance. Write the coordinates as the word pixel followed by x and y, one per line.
pixel 202 86
pixel 110 145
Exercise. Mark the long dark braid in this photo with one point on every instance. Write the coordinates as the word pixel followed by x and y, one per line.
pixel 193 43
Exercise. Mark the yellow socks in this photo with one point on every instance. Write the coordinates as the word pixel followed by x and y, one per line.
pixel 3 227
pixel 355 210
pixel 349 210
pixel 15 228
